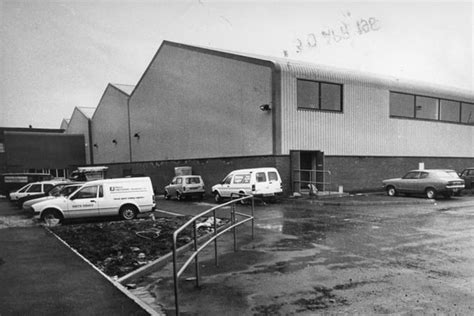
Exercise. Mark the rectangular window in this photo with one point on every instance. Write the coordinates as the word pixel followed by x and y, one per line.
pixel 331 96
pixel 450 111
pixel 467 113
pixel 319 95
pixel 2 148
pixel 426 108
pixel 402 104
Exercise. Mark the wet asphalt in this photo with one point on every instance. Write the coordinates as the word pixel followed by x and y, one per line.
pixel 367 254
pixel 403 255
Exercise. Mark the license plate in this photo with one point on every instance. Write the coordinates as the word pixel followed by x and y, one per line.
pixel 268 194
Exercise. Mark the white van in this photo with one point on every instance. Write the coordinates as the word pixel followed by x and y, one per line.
pixel 261 182
pixel 125 197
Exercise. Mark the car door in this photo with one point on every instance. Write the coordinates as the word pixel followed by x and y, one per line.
pixel 83 203
pixel 225 187
pixel 409 182
pixel 172 187
pixel 34 189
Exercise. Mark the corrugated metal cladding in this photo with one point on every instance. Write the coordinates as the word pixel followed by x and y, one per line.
pixel 364 127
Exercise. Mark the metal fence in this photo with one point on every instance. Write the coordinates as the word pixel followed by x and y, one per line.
pixel 217 232
pixel 303 179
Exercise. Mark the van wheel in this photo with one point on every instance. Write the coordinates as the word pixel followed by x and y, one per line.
pixel 179 196
pixel 217 197
pixel 51 216
pixel 128 212
pixel 167 196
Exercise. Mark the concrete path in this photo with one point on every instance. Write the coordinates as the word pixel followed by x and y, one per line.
pixel 39 275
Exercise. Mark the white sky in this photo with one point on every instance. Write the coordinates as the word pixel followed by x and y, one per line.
pixel 56 55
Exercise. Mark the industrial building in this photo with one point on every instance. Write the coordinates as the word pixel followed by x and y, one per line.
pixel 217 111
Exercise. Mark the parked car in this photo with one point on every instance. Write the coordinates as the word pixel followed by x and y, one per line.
pixel 468 176
pixel 56 191
pixel 430 182
pixel 260 182
pixel 32 189
pixel 124 197
pixel 184 186
pixel 52 191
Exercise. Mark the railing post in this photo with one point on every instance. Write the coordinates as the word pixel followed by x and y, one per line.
pixel 215 240
pixel 233 229
pixel 253 208
pixel 196 260
pixel 175 276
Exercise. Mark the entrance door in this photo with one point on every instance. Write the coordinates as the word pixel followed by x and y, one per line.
pixel 307 168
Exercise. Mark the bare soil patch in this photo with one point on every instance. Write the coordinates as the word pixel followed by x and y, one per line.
pixel 119 247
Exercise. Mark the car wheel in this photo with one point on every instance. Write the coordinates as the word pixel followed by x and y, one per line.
pixel 391 191
pixel 179 196
pixel 430 193
pixel 128 212
pixel 51 215
pixel 167 196
pixel 217 197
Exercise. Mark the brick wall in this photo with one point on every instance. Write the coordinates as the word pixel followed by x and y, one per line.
pixel 361 174
pixel 354 173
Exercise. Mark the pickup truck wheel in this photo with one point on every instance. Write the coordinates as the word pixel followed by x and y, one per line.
pixel 391 191
pixel 430 193
pixel 217 197
pixel 128 212
pixel 51 215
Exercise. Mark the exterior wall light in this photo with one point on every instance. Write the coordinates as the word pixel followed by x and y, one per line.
pixel 265 107
pixel 137 135
pixel 114 141
pixel 96 146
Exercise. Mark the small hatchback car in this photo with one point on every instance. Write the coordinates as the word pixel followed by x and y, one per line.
pixel 429 182
pixel 185 186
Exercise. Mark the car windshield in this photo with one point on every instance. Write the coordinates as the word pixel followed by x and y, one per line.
pixel 66 191
pixel 193 180
pixel 55 191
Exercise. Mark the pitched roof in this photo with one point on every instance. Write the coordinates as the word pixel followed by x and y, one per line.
pixel 87 111
pixel 125 88
pixel 302 67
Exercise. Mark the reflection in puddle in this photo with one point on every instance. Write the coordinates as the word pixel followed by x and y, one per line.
pixel 273 227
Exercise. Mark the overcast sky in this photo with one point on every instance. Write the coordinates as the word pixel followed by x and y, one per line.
pixel 56 55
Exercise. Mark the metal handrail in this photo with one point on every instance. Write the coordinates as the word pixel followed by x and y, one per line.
pixel 325 184
pixel 194 255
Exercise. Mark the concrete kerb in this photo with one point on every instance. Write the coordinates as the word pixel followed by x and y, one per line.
pixel 117 284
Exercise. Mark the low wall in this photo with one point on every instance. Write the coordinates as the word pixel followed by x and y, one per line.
pixel 354 173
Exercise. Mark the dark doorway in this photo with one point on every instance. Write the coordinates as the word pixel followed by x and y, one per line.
pixel 307 168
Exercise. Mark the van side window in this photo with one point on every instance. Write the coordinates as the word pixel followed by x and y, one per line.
pixel 87 193
pixel 242 178
pixel 179 180
pixel 101 191
pixel 260 176
pixel 272 176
